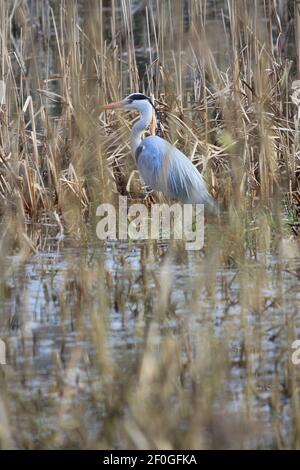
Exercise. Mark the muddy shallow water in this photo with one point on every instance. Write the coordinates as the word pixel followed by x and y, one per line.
pixel 143 293
pixel 147 345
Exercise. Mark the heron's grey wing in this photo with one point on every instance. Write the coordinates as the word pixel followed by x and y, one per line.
pixel 149 158
pixel 164 168
pixel 184 180
pixel 158 164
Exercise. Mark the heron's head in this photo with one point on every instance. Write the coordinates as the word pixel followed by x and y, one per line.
pixel 134 101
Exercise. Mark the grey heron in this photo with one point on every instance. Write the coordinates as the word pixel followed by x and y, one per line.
pixel 162 166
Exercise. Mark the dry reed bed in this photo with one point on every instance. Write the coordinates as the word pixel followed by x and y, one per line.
pixel 224 93
pixel 223 84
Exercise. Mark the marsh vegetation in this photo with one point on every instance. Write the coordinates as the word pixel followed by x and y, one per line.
pixel 146 345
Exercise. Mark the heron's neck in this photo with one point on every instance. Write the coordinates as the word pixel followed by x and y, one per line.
pixel 140 127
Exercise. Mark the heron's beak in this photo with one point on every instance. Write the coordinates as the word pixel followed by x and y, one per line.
pixel 116 104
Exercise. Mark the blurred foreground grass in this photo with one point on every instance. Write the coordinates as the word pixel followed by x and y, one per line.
pixel 147 345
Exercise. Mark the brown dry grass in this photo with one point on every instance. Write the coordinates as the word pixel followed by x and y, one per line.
pixel 225 83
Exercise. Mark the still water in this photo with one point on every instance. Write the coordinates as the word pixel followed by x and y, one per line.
pixel 130 293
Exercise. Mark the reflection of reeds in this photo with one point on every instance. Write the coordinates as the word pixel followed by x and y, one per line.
pixel 223 86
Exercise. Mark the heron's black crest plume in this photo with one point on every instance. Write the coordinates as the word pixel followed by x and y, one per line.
pixel 140 96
